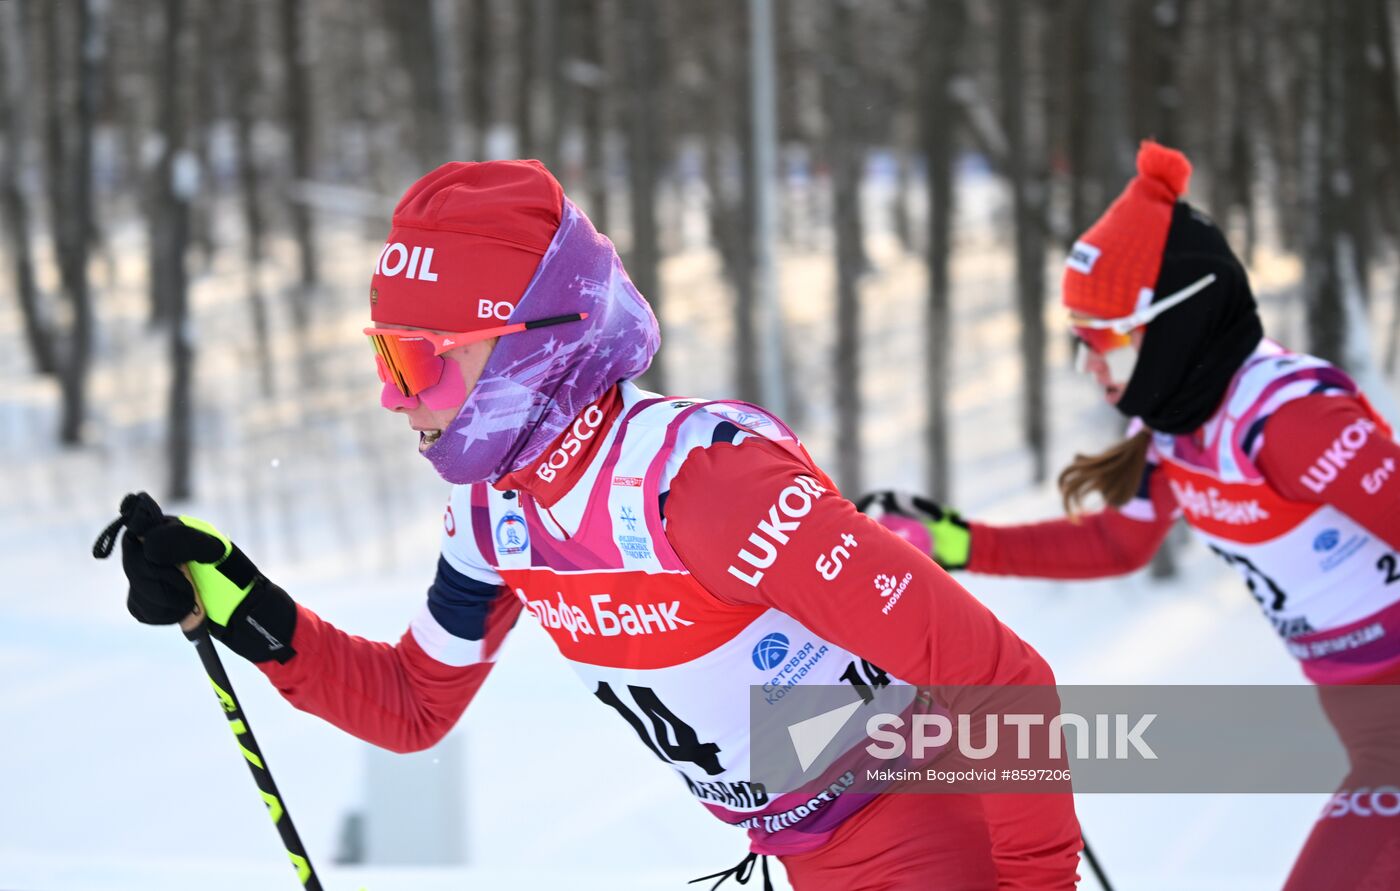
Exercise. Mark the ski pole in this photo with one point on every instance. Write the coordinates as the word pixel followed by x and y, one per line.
pixel 1094 865
pixel 139 512
pixel 243 734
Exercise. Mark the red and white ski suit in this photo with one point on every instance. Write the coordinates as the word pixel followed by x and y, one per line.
pixel 1294 481
pixel 677 553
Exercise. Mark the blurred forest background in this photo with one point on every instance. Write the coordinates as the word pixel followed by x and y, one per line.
pixel 159 145
pixel 192 197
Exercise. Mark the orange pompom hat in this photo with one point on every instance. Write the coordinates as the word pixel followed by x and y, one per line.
pixel 1112 269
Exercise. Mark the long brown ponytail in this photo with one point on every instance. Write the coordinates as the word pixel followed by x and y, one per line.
pixel 1113 473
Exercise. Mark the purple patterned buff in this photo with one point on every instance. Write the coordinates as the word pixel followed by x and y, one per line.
pixel 536 382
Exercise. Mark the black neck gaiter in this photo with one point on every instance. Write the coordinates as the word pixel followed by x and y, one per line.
pixel 1191 352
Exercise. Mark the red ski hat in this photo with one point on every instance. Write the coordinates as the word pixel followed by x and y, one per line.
pixel 464 244
pixel 1112 269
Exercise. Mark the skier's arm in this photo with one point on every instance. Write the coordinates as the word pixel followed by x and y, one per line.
pixel 406 696
pixel 1106 543
pixel 1110 542
pixel 936 633
pixel 1327 450
pixel 402 697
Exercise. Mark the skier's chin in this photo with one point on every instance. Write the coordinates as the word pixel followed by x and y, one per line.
pixel 1112 393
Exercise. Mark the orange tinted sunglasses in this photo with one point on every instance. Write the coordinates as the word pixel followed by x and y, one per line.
pixel 412 359
pixel 1105 335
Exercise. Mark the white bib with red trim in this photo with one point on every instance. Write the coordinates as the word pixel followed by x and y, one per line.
pixel 674 661
pixel 1310 566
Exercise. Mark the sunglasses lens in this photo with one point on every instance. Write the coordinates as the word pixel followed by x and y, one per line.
pixel 1101 340
pixel 407 361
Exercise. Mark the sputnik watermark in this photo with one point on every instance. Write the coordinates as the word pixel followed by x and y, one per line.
pixel 1114 738
pixel 951 777
pixel 1111 737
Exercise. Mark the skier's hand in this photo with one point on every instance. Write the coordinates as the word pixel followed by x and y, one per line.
pixel 168 559
pixel 936 530
pixel 158 595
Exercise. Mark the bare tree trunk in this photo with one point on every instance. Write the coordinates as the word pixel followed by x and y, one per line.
pixel 372 103
pixel 944 29
pixel 1323 126
pixel 547 104
pixel 670 124
pixel 414 27
pixel 904 191
pixel 641 35
pixel 1225 101
pixel 297 71
pixel 597 116
pixel 1387 80
pixel 130 91
pixel 1101 156
pixel 1358 145
pixel 1154 62
pixel 846 153
pixel 1243 163
pixel 1084 187
pixel 16 112
pixel 240 29
pixel 475 22
pixel 525 74
pixel 72 217
pixel 728 134
pixel 1028 198
pixel 1115 147
pixel 448 78
pixel 1384 154
pixel 1281 116
pixel 989 137
pixel 205 113
pixel 176 174
pixel 796 41
pixel 57 100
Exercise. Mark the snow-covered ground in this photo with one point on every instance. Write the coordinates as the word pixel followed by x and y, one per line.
pixel 118 770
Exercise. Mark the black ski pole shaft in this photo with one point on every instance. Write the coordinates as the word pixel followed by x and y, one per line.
pixel 257 765
pixel 1094 865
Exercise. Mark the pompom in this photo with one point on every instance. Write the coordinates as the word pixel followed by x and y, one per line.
pixel 1167 166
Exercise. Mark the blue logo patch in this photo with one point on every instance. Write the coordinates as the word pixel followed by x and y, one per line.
pixel 637 547
pixel 770 652
pixel 629 518
pixel 1326 540
pixel 512 535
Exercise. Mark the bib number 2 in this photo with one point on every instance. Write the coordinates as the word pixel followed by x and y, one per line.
pixel 1388 566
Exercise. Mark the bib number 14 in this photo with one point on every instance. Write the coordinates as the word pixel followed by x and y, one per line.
pixel 668 736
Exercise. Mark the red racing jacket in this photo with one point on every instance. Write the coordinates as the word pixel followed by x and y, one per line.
pixel 678 552
pixel 1294 481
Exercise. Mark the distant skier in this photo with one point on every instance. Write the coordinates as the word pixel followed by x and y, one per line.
pixel 1275 459
pixel 676 551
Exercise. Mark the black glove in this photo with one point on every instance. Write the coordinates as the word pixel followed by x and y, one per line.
pixel 252 616
pixel 158 595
